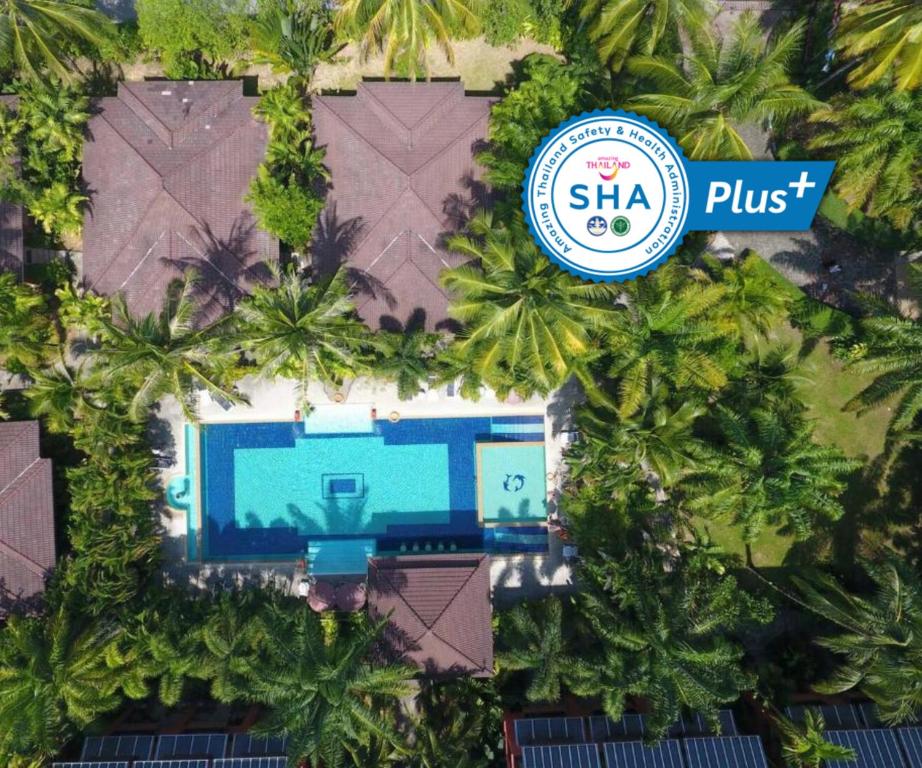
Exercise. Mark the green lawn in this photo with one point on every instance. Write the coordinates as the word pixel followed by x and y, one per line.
pixel 825 386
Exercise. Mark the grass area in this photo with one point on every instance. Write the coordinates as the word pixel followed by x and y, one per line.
pixel 825 385
pixel 481 66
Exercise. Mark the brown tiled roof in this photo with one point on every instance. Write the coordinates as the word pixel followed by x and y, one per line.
pixel 11 217
pixel 403 175
pixel 167 165
pixel 440 610
pixel 26 511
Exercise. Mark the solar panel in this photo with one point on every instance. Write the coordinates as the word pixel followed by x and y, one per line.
pixel 725 752
pixel 251 762
pixel 911 739
pixel 549 730
pixel 192 745
pixel 190 763
pixel 697 725
pixel 128 747
pixel 97 764
pixel 603 728
pixel 838 717
pixel 561 756
pixel 246 745
pixel 636 754
pixel 874 748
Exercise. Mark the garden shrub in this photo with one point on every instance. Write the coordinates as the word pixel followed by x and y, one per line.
pixel 503 20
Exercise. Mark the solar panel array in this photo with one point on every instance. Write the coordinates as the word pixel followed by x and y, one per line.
pixel 192 745
pixel 636 754
pixel 549 730
pixel 911 741
pixel 561 756
pixel 96 764
pixel 183 763
pixel 251 762
pixel 245 745
pixel 109 747
pixel 632 726
pixel 838 717
pixel 874 748
pixel 725 752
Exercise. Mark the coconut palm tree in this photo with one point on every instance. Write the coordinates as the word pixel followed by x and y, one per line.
pixel 43 36
pixel 57 675
pixel 528 325
pixel 664 636
pixel 893 354
pixel 879 638
pixel 876 141
pixel 805 746
pixel 883 36
pixel 619 28
pixel 404 29
pixel 664 332
pixel 304 330
pixel 324 693
pixel 655 439
pixel 721 85
pixel 405 357
pixel 534 638
pixel 166 354
pixel 769 471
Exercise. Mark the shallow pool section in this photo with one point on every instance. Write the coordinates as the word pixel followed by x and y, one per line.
pixel 280 490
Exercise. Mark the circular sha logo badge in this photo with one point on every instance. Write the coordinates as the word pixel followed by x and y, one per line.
pixel 615 166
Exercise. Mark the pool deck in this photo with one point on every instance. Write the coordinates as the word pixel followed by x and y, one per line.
pixel 514 576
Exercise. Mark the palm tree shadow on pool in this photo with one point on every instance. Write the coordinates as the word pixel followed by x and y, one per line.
pixel 334 517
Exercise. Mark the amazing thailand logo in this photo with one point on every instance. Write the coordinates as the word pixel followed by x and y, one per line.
pixel 609 195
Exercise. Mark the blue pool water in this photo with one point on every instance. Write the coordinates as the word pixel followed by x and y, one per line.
pixel 271 490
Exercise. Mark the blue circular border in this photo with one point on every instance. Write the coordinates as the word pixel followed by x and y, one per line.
pixel 560 260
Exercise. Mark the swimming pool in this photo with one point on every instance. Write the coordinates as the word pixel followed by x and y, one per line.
pixel 287 489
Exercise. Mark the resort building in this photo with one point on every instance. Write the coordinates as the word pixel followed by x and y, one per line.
pixel 11 217
pixel 401 159
pixel 439 611
pixel 167 166
pixel 27 548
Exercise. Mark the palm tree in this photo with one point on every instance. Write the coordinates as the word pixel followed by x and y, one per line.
pixel 893 354
pixel 528 324
pixel 534 638
pixel 304 330
pixel 619 28
pixel 754 300
pixel 770 471
pixel 883 36
pixel 405 358
pixel 458 725
pixel 26 335
pixel 665 333
pixel 720 86
pixel 664 636
pixel 56 677
pixel 876 140
pixel 59 210
pixel 167 354
pixel 655 439
pixel 880 636
pixel 806 746
pixel 293 36
pixel 324 694
pixel 42 35
pixel 404 29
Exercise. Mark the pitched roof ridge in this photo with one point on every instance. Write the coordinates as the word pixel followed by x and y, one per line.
pixel 7 493
pixel 128 144
pixel 450 144
pixel 358 135
pixel 397 126
pixel 144 113
pixel 455 94
pixel 473 572
pixel 195 157
pixel 423 274
pixel 23 425
pixel 411 129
